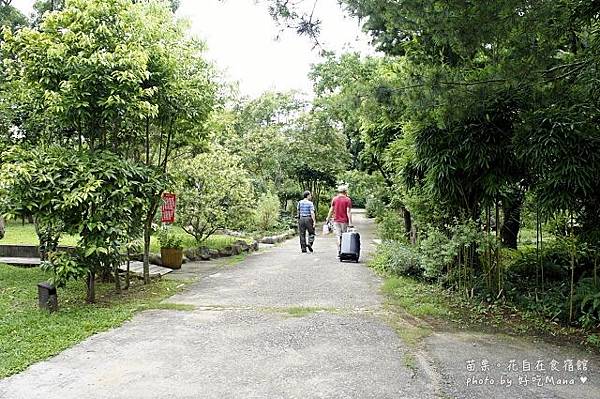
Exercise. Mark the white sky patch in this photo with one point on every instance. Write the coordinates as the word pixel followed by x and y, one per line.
pixel 240 36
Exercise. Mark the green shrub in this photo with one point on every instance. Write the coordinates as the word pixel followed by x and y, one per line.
pixel 215 192
pixel 64 267
pixel 438 253
pixel 169 239
pixel 398 259
pixel 362 185
pixel 322 211
pixel 390 226
pixel 587 303
pixel 266 215
pixel 375 207
pixel 526 267
pixel 524 274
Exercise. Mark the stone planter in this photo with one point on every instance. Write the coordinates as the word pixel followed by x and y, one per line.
pixel 171 257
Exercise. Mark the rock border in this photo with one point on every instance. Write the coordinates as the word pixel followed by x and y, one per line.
pixel 205 254
pixel 189 255
pixel 278 238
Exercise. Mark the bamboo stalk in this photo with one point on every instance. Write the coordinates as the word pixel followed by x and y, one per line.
pixel 573 249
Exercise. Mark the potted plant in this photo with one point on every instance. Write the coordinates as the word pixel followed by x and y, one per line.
pixel 171 249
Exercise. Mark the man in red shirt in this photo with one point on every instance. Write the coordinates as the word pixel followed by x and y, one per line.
pixel 341 208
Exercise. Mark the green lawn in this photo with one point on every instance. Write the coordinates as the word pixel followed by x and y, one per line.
pixel 16 233
pixel 213 242
pixel 28 335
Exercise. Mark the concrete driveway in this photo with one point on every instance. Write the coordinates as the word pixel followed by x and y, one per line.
pixel 283 324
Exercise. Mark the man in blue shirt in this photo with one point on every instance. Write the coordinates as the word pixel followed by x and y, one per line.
pixel 306 221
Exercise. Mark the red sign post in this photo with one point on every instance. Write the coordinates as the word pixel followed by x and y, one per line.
pixel 168 208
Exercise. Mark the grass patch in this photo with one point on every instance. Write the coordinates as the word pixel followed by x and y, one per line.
pixel 410 362
pixel 410 302
pixel 410 334
pixel 407 297
pixel 527 236
pixel 17 233
pixel 300 311
pixel 183 307
pixel 234 260
pixel 28 335
pixel 417 298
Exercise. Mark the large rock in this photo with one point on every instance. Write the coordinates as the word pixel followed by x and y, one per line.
pixel 237 249
pixel 231 233
pixel 191 254
pixel 244 246
pixel 226 251
pixel 213 253
pixel 268 240
pixel 204 253
pixel 278 238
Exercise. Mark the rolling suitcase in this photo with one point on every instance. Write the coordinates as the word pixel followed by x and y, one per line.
pixel 350 248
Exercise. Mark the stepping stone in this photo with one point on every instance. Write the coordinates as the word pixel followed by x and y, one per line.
pixel 137 268
pixel 26 262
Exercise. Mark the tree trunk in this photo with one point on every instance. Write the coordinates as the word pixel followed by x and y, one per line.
pixel 127 275
pixel 511 207
pixel 407 223
pixel 117 277
pixel 147 233
pixel 147 229
pixel 2 230
pixel 48 240
pixel 91 287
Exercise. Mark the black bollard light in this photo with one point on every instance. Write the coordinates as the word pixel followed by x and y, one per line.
pixel 47 297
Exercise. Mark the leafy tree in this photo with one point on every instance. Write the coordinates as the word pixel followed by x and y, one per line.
pixel 42 6
pixel 299 16
pixel 259 136
pixel 111 75
pixel 266 214
pixel 10 16
pixel 83 71
pixel 359 93
pixel 257 131
pixel 316 154
pixel 362 186
pixel 341 85
pixel 214 192
pixel 185 96
pixel 98 197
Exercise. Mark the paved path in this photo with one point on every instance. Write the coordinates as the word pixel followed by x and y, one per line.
pixel 282 324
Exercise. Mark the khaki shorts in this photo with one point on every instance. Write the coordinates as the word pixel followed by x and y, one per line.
pixel 340 228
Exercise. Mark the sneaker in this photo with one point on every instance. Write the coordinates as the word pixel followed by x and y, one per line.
pixel 304 251
pixel 309 248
